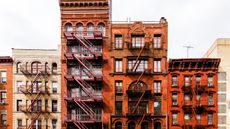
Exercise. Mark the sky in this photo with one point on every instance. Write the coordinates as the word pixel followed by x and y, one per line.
pixel 36 23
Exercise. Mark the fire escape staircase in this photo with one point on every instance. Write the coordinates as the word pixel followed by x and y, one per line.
pixel 87 44
pixel 80 125
pixel 87 88
pixel 88 66
pixel 86 109
pixel 33 120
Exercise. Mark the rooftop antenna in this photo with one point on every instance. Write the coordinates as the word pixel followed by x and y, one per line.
pixel 188 47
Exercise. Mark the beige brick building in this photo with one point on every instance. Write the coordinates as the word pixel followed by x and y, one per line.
pixel 220 49
pixel 36 89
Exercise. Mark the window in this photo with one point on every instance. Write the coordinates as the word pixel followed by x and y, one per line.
pixel 187 97
pixel 54 123
pixel 198 80
pixel 174 119
pixel 174 99
pixel 157 41
pixel 157 86
pixel 118 44
pixel 118 107
pixel 79 29
pixel 19 64
pixel 187 81
pixel 2 97
pixel 19 104
pixel 3 118
pixel 90 29
pixel 118 125
pixel 210 81
pixel 118 86
pixel 54 67
pixel 187 116
pixel 140 66
pixel 19 122
pixel 210 118
pixel 174 81
pixel 131 125
pixel 101 27
pixel 157 65
pixel 210 99
pixel 19 86
pixel 3 76
pixel 68 27
pixel 54 105
pixel 118 65
pixel 198 117
pixel 144 125
pixel 54 87
pixel 157 107
pixel 138 42
pixel 35 67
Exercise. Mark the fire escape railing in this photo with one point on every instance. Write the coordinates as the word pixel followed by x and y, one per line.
pixel 87 88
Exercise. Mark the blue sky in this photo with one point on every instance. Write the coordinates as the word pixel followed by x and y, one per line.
pixel 36 23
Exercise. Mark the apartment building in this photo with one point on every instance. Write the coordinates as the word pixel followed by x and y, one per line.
pixel 6 65
pixel 36 89
pixel 220 49
pixel 136 75
pixel 192 93
pixel 84 38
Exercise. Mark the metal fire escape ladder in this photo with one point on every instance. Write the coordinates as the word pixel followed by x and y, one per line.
pixel 33 121
pixel 86 108
pixel 87 44
pixel 138 102
pixel 142 118
pixel 34 100
pixel 87 88
pixel 88 66
pixel 136 63
pixel 80 125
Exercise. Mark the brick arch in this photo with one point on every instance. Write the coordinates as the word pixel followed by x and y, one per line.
pixel 138 86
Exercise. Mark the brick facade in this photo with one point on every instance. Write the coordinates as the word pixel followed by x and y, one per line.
pixel 6 91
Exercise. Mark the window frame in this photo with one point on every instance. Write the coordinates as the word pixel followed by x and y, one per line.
pixel 118 41
pixel 157 66
pixel 157 41
pixel 118 68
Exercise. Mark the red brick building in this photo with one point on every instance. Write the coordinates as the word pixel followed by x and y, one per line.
pixel 136 76
pixel 192 93
pixel 6 92
pixel 84 45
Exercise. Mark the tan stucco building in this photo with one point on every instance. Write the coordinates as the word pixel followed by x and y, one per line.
pixel 36 89
pixel 221 49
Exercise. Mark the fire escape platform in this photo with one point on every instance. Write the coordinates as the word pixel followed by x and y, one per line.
pixel 138 92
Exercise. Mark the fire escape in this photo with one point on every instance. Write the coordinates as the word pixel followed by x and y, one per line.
pixel 138 95
pixel 86 79
pixel 35 92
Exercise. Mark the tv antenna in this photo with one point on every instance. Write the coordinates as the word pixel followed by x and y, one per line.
pixel 188 47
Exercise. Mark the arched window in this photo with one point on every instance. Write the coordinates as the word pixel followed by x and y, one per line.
pixel 90 29
pixel 118 125
pixel 35 67
pixel 138 86
pixel 46 67
pixel 131 125
pixel 68 27
pixel 157 125
pixel 54 67
pixel 101 27
pixel 79 28
pixel 18 67
pixel 144 125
